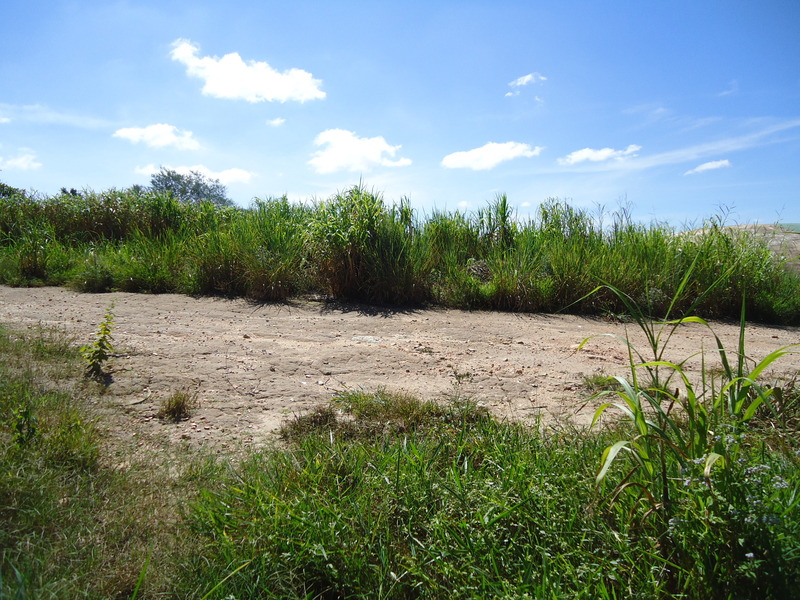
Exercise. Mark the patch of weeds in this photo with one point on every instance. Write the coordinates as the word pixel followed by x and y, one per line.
pixel 94 278
pixel 98 352
pixel 462 377
pixel 72 441
pixel 323 419
pixel 24 424
pixel 178 406
pixel 600 381
pixel 365 416
pixel 779 417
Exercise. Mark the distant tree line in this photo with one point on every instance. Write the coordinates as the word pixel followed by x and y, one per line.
pixel 190 188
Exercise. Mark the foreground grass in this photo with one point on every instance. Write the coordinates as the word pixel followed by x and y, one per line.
pixel 381 495
pixel 352 246
pixel 78 517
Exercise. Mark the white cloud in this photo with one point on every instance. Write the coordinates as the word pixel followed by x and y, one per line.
pixel 159 135
pixel 231 77
pixel 25 160
pixel 528 79
pixel 709 166
pixel 276 122
pixel 764 136
pixel 601 155
pixel 489 156
pixel 5 120
pixel 523 81
pixel 345 151
pixel 234 175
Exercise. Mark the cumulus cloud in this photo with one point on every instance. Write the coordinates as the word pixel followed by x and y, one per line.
pixel 159 135
pixel 523 81
pixel 709 166
pixel 276 122
pixel 489 156
pixel 344 151
pixel 25 160
pixel 254 81
pixel 234 175
pixel 601 155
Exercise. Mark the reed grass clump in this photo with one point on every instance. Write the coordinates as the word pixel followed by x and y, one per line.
pixel 353 246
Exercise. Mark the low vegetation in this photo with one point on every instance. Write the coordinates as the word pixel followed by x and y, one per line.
pixel 353 246
pixel 177 406
pixel 381 495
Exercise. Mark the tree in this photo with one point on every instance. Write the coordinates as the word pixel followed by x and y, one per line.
pixel 6 191
pixel 193 187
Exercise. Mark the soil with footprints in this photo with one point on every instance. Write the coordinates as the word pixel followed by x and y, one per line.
pixel 254 366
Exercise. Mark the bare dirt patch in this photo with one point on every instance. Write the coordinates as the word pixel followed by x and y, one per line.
pixel 254 366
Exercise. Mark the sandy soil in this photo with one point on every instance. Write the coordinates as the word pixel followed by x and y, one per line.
pixel 254 366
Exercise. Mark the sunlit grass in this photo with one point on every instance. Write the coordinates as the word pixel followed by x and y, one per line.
pixel 383 495
pixel 355 247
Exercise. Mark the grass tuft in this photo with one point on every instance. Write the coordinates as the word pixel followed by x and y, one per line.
pixel 177 406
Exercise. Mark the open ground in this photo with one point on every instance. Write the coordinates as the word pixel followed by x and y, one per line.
pixel 253 366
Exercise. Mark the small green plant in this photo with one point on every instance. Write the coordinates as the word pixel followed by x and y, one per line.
pixel 178 406
pixel 98 352
pixel 24 424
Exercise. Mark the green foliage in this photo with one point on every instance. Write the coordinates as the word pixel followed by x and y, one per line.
pixel 383 495
pixel 355 247
pixel 192 187
pixel 341 231
pixel 468 509
pixel 688 481
pixel 24 424
pixel 99 351
pixel 363 251
pixel 7 191
pixel 72 525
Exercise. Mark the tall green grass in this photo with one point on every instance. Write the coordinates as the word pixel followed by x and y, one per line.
pixel 353 246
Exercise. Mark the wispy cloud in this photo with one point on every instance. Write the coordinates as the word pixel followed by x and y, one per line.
pixel 651 113
pixel 227 176
pixel 276 122
pixel 528 79
pixel 601 155
pixel 489 155
pixel 254 81
pixel 709 166
pixel 344 151
pixel 37 113
pixel 717 147
pixel 159 135
pixel 4 120
pixel 763 136
pixel 25 160
pixel 733 88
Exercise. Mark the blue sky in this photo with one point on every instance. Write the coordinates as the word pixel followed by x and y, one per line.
pixel 680 109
